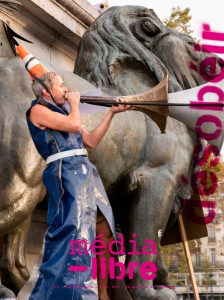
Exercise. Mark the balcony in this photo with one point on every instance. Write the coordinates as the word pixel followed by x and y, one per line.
pixel 216 265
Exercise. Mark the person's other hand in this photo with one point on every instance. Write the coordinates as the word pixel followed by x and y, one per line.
pixel 120 108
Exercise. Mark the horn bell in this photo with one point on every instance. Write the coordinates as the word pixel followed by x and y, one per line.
pixel 207 121
pixel 158 93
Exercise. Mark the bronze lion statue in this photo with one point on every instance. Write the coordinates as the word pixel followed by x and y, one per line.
pixel 126 51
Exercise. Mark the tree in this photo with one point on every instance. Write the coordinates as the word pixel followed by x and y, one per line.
pixel 207 279
pixel 179 20
pixel 175 260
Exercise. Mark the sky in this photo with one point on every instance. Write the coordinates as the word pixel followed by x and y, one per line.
pixel 209 12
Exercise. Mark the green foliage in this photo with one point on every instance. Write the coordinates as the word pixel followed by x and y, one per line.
pixel 221 170
pixel 207 279
pixel 175 260
pixel 179 20
pixel 174 256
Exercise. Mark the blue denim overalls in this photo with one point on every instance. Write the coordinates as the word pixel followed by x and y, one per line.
pixel 75 190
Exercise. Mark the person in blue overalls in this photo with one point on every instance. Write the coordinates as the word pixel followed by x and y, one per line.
pixel 78 206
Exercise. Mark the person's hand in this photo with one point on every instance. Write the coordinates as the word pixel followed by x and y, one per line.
pixel 73 97
pixel 120 108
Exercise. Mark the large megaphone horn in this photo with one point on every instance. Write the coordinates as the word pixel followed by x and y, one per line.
pixel 200 108
pixel 158 94
pixel 150 102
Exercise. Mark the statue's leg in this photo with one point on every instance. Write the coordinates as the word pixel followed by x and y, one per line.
pixel 14 272
pixel 152 191
pixel 161 279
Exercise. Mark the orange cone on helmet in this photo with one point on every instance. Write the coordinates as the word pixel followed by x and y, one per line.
pixel 33 66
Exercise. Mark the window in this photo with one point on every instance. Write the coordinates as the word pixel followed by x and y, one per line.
pixel 212 253
pixel 211 234
pixel 198 259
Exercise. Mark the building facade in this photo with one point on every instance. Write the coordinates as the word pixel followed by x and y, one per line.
pixel 207 257
pixel 54 26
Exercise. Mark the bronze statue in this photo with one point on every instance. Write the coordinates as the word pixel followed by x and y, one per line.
pixel 126 51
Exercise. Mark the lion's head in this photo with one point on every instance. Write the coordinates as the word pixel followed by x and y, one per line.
pixel 129 49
